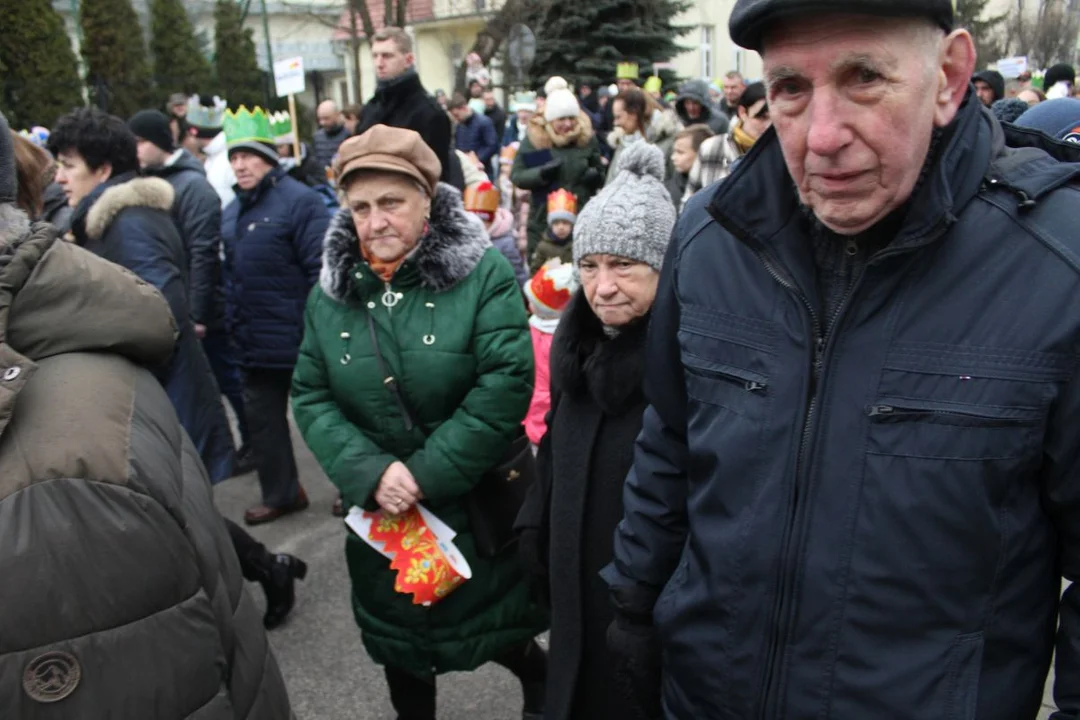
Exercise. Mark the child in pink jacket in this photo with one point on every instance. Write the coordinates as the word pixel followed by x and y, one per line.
pixel 549 291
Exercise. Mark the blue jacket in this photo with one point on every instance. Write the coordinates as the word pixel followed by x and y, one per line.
pixel 126 221
pixel 273 253
pixel 872 523
pixel 477 134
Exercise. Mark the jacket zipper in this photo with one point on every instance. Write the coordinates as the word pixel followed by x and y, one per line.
pixel 821 343
pixel 884 413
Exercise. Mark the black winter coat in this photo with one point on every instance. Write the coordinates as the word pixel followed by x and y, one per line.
pixel 326 146
pixel 126 220
pixel 403 102
pixel 597 403
pixel 196 212
pixel 873 522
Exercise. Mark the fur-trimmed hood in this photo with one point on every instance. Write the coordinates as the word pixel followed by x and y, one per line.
pixel 540 132
pixel 139 192
pixel 444 257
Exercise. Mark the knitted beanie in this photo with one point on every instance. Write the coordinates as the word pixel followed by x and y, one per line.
pixel 152 125
pixel 633 216
pixel 9 183
pixel 561 103
pixel 562 205
pixel 1009 109
pixel 550 289
pixel 1060 119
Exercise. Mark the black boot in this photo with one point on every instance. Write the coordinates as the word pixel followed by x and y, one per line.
pixel 278 580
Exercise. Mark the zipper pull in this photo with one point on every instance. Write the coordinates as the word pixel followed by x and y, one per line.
pixel 851 247
pixel 880 410
pixel 754 386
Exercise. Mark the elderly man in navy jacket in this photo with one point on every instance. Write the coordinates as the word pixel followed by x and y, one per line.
pixel 475 132
pixel 857 487
pixel 273 234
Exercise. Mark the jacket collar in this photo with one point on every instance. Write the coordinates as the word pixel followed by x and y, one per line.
pixel 444 257
pixel 586 362
pixel 96 212
pixel 250 198
pixel 405 84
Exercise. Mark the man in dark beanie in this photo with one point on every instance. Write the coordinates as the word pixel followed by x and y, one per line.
pixel 989 86
pixel 115 563
pixel 1062 72
pixel 856 490
pixel 196 212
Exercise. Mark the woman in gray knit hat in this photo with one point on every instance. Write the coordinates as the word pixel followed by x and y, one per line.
pixel 597 367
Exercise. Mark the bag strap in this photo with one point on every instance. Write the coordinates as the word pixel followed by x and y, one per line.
pixel 391 382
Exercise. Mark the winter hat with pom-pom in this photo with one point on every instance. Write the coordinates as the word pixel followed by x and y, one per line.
pixel 633 216
pixel 1009 109
pixel 561 103
pixel 550 289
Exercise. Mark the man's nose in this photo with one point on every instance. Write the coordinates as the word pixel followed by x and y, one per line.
pixel 829 131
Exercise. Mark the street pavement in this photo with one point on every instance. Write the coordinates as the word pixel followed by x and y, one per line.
pixel 319 650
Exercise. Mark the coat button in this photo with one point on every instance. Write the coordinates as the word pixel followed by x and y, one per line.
pixel 359 275
pixel 371 306
pixel 11 373
pixel 251 227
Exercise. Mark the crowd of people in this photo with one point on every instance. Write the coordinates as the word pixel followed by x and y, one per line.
pixel 784 420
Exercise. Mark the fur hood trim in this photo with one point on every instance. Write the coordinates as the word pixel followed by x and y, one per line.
pixel 451 250
pixel 540 137
pixel 141 192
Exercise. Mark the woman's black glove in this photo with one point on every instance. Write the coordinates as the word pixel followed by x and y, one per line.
pixel 592 177
pixel 531 557
pixel 550 170
pixel 636 667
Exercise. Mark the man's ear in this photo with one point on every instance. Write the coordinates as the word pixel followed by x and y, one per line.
pixel 956 64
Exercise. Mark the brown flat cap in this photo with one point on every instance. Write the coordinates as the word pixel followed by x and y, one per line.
pixel 390 149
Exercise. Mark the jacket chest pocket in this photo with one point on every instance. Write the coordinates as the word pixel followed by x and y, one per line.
pixel 726 370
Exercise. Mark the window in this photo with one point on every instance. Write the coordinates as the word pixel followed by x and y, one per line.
pixel 343 89
pixel 706 51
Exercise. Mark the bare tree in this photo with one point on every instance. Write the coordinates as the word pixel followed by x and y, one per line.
pixel 1046 30
pixel 494 33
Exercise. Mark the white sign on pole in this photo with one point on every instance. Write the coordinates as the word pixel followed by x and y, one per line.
pixel 1012 67
pixel 289 76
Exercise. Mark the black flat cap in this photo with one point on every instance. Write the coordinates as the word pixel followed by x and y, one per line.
pixel 751 18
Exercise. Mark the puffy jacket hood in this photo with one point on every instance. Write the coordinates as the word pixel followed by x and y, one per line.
pixel 57 298
pixel 697 90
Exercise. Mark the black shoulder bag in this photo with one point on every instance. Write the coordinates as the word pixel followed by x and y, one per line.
pixel 494 503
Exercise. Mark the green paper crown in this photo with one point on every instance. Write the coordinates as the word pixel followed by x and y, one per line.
pixel 281 127
pixel 246 126
pixel 626 71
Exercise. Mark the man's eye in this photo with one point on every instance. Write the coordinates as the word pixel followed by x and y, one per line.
pixel 786 87
pixel 866 76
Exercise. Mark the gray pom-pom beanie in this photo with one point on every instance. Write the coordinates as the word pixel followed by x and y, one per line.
pixel 633 216
pixel 8 181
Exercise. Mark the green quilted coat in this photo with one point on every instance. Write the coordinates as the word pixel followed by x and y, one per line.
pixel 453 330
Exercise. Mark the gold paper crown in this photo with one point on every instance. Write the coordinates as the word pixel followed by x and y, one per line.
pixel 482 198
pixel 562 204
pixel 626 71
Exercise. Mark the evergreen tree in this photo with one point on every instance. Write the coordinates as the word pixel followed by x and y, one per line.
pixel 117 71
pixel 40 80
pixel 179 64
pixel 240 81
pixel 984 29
pixel 584 41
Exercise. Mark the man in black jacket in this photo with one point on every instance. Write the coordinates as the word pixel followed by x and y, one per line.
pixel 856 490
pixel 196 213
pixel 400 100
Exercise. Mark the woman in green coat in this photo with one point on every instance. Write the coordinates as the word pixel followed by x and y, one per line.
pixel 451 329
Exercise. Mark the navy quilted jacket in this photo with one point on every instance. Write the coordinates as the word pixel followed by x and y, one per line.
pixel 873 522
pixel 273 253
